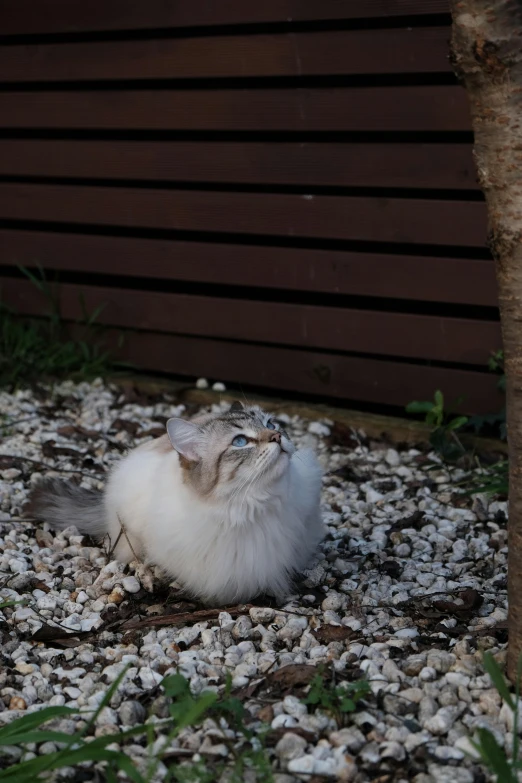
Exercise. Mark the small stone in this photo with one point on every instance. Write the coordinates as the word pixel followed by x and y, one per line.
pixel 351 737
pixel 446 774
pixel 18 566
pixel 24 668
pixel 283 720
pixel 414 664
pixel 17 703
pixel 428 674
pixel 440 660
pixel 294 707
pixel 316 428
pixel 262 614
pixel 131 713
pixel 131 585
pixel 442 721
pixel 448 753
pixel 242 627
pixel 43 538
pixel 393 750
pixel 332 601
pixel 290 746
pixel 370 753
pixel 10 474
pixel 304 765
pixel 392 458
pixel 116 596
pixel 372 496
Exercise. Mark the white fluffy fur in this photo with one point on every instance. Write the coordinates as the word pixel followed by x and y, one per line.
pixel 222 552
pixel 227 506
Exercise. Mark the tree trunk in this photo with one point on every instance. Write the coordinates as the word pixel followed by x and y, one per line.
pixel 487 57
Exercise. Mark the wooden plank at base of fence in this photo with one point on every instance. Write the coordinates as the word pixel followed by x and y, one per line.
pixel 405 335
pixel 349 378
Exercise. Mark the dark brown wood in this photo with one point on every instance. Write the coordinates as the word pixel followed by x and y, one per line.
pixel 296 54
pixel 424 278
pixel 307 326
pixel 448 166
pixel 327 375
pixel 22 17
pixel 437 222
pixel 419 108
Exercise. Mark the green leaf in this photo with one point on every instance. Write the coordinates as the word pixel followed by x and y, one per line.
pixel 495 756
pixel 439 399
pixel 419 407
pixel 175 685
pixel 497 678
pixel 33 720
pixel 456 423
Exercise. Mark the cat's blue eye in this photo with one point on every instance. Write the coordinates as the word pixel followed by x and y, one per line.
pixel 270 425
pixel 240 441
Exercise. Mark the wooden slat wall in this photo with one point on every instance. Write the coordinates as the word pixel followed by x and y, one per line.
pixel 277 194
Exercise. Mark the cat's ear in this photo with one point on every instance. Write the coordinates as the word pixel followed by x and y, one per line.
pixel 186 438
pixel 236 406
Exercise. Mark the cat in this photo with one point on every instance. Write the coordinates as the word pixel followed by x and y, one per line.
pixel 223 503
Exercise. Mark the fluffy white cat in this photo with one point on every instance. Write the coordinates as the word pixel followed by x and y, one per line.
pixel 223 503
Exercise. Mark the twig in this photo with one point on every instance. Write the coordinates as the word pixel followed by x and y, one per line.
pixel 185 617
pixel 52 467
pixel 123 530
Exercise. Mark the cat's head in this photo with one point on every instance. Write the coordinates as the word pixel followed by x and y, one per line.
pixel 242 450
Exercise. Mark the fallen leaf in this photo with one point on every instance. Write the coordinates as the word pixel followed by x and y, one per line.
pixel 291 676
pixel 51 450
pixel 123 424
pixel 333 633
pixel 59 636
pixel 276 734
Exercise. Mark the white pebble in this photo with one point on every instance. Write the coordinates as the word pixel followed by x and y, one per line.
pixel 131 584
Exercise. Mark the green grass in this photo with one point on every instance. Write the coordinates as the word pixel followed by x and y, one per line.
pixel 35 348
pixel 185 710
pixel 339 700
pixel 247 751
pixel 504 766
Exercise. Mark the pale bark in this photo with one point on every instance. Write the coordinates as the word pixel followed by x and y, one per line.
pixel 487 56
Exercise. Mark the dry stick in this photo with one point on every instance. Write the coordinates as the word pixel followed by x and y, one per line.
pixel 185 617
pixel 53 467
pixel 123 530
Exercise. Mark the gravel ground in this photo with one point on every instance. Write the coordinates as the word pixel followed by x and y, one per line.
pixel 409 589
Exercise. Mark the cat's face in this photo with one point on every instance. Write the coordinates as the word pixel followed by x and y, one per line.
pixel 231 454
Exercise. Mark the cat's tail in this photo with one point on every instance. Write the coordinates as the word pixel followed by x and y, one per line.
pixel 64 503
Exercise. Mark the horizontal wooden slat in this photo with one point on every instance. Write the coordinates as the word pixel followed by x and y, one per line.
pixel 422 278
pixel 458 340
pixel 327 375
pixel 329 217
pixel 448 166
pixel 22 17
pixel 299 54
pixel 420 108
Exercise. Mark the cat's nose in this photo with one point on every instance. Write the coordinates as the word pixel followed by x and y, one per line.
pixel 275 437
